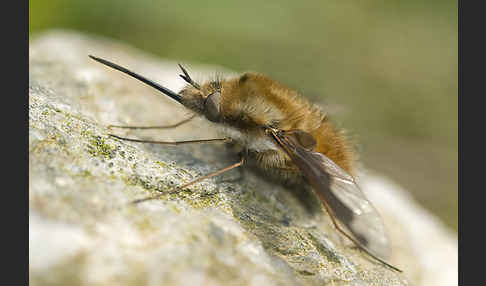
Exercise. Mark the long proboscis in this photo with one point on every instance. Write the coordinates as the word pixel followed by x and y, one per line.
pixel 157 86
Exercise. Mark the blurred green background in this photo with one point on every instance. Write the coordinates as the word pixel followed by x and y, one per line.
pixel 389 68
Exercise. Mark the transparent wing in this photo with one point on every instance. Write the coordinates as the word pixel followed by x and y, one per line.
pixel 339 192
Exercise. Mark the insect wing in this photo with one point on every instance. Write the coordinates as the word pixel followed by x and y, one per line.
pixel 341 194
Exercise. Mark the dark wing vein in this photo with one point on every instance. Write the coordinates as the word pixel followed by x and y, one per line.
pixel 340 192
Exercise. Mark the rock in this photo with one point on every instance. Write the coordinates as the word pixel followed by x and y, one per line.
pixel 236 229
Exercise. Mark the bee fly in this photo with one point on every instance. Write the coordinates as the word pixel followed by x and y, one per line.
pixel 287 136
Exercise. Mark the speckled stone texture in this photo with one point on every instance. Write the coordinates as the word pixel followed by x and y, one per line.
pixel 236 229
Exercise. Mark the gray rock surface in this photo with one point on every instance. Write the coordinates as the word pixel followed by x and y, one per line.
pixel 237 229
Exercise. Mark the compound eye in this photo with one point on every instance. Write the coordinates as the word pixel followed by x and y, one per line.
pixel 211 106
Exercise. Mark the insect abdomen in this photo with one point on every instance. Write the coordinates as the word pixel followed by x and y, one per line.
pixel 253 101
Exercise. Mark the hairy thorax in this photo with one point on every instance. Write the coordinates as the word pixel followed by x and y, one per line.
pixel 253 101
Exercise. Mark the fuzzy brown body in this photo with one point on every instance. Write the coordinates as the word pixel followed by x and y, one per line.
pixel 251 102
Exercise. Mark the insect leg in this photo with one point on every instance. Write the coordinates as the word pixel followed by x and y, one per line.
pixel 155 127
pixel 193 181
pixel 336 225
pixel 175 142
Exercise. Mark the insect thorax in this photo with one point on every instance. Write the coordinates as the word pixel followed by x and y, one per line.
pixel 253 101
